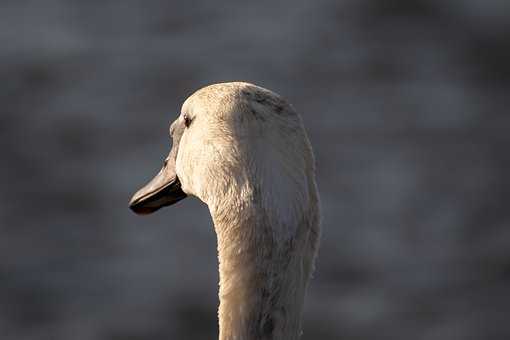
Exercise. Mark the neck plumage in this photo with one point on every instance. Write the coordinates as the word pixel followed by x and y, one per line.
pixel 263 275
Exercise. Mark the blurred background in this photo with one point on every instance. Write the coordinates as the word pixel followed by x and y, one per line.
pixel 406 104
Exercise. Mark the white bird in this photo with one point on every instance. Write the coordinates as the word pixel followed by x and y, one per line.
pixel 243 151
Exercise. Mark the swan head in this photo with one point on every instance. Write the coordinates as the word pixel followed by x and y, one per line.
pixel 234 144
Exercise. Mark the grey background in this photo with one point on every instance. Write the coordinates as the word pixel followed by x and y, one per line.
pixel 406 104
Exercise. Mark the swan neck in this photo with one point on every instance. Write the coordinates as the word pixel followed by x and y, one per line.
pixel 262 281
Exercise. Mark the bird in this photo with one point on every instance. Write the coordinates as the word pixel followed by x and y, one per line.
pixel 243 151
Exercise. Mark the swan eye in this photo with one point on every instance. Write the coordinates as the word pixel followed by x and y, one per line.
pixel 187 120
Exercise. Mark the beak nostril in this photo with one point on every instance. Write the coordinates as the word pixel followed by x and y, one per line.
pixel 165 162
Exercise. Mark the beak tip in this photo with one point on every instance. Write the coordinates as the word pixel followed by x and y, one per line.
pixel 139 209
pixel 136 207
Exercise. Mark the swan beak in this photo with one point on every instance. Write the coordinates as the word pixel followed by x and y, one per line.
pixel 162 190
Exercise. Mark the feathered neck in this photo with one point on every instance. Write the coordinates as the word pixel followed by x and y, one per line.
pixel 263 274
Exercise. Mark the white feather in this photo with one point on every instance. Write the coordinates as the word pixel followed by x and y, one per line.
pixel 247 156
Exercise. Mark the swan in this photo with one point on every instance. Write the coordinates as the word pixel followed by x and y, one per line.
pixel 243 150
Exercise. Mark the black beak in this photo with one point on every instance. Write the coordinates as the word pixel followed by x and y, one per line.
pixel 162 190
